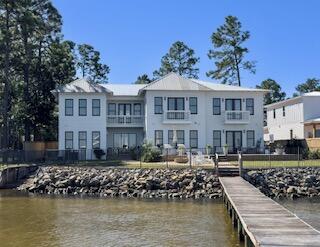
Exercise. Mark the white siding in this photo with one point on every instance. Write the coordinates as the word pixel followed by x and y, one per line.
pixel 205 122
pixel 280 126
pixel 78 123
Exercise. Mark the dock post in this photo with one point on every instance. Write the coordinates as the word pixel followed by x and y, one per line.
pixel 240 163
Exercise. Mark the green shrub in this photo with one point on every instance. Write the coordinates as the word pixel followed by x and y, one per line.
pixel 313 155
pixel 150 153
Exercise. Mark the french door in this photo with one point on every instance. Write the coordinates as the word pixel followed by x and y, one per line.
pixel 124 110
pixel 124 140
pixel 233 104
pixel 234 140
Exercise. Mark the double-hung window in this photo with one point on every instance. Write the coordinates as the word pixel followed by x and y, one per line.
pixel 283 111
pixel 193 136
pixel 250 105
pixel 158 138
pixel 82 107
pixel 274 113
pixel 68 103
pixel 95 139
pixel 250 139
pixel 68 139
pixel 96 107
pixel 158 105
pixel 216 140
pixel 111 109
pixel 82 139
pixel 216 102
pixel 137 109
pixel 193 105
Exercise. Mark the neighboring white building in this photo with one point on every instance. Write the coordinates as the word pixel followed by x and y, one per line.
pixel 295 118
pixel 190 111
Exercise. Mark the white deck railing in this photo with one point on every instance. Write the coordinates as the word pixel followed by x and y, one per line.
pixel 125 120
pixel 176 116
pixel 237 117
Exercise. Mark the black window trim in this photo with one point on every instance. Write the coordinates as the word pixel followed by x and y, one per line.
pixel 196 131
pixel 216 107
pixel 253 138
pixel 86 107
pixel 248 106
pixel 94 107
pixel 115 109
pixel 134 112
pixel 196 105
pixel 86 139
pixel 65 140
pixel 160 105
pixel 155 137
pixel 65 107
pixel 92 139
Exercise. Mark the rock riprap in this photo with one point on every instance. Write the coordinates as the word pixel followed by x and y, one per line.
pixel 143 183
pixel 287 182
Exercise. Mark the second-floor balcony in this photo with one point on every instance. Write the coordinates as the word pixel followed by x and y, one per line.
pixel 125 120
pixel 237 117
pixel 174 117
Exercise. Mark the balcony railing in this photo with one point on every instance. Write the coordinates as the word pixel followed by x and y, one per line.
pixel 176 117
pixel 237 117
pixel 125 120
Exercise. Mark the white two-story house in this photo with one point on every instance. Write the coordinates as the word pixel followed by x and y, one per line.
pixel 295 118
pixel 170 109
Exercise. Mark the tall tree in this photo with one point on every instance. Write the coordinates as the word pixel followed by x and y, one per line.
pixel 6 25
pixel 229 52
pixel 143 79
pixel 90 65
pixel 180 59
pixel 311 84
pixel 275 94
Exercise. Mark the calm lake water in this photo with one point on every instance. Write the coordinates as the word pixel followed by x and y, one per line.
pixel 43 221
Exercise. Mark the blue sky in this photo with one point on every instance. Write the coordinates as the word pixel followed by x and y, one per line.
pixel 132 36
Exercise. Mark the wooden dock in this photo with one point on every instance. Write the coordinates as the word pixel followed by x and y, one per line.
pixel 261 221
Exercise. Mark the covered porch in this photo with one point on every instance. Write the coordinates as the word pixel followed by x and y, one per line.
pixel 312 133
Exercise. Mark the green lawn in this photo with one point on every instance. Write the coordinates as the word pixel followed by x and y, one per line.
pixel 271 164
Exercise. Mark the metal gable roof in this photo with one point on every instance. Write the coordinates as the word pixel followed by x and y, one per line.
pixel 175 82
pixel 81 86
pixel 124 89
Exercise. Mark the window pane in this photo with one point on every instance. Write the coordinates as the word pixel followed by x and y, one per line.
pixel 217 138
pixel 250 105
pixel 69 107
pixel 250 138
pixel 216 106
pixel 111 109
pixel 158 137
pixel 82 140
pixel 193 105
pixel 171 104
pixel 82 107
pixel 170 137
pixel 180 136
pixel 132 140
pixel 137 109
pixel 96 107
pixel 180 104
pixel 68 140
pixel 95 139
pixel 158 105
pixel 193 139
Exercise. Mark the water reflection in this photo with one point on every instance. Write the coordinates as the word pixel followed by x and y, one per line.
pixel 44 221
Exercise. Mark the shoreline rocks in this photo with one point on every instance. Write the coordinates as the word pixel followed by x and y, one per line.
pixel 140 183
pixel 287 182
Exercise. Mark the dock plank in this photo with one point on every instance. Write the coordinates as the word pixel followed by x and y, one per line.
pixel 266 222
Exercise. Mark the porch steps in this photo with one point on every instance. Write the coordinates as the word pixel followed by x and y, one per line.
pixel 227 167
